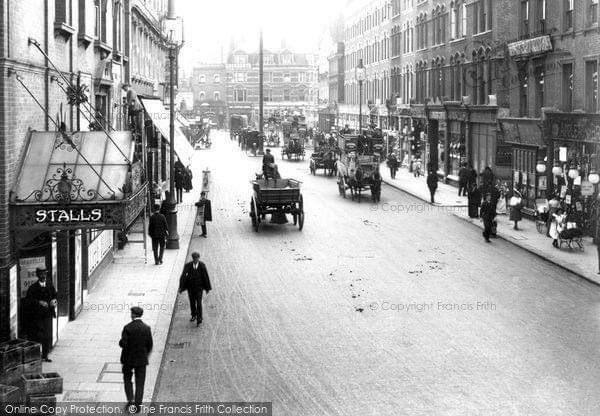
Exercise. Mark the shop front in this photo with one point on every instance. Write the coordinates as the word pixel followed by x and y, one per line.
pixel 527 150
pixel 72 192
pixel 572 164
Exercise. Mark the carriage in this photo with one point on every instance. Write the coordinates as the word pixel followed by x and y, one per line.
pixel 237 123
pixel 276 197
pixel 324 157
pixel 253 142
pixel 294 135
pixel 358 166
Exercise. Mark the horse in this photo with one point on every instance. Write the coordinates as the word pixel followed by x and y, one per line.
pixel 330 164
pixel 356 183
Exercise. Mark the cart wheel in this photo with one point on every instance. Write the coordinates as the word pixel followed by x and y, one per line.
pixel 254 215
pixel 301 220
pixel 342 186
pixel 295 217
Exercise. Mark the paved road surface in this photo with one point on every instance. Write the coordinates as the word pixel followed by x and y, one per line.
pixel 390 309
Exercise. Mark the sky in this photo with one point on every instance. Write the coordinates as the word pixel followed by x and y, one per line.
pixel 211 25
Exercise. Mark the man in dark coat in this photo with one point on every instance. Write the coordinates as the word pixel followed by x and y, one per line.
pixel 474 201
pixel 179 184
pixel 267 165
pixel 205 213
pixel 472 176
pixel 463 179
pixel 136 344
pixel 393 165
pixel 195 279
pixel 432 184
pixel 41 301
pixel 487 215
pixel 158 230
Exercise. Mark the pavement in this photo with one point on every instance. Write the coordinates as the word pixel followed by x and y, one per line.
pixel 582 263
pixel 87 354
pixel 390 308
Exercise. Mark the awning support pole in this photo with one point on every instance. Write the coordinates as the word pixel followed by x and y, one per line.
pixel 58 128
pixel 39 48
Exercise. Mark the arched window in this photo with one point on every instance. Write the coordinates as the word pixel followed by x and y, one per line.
pixel 202 79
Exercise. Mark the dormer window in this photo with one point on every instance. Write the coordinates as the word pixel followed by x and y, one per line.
pixel 287 59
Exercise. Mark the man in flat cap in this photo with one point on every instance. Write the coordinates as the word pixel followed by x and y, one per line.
pixel 41 297
pixel 136 344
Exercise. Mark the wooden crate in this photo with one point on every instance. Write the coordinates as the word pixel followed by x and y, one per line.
pixel 37 401
pixel 10 394
pixel 42 384
pixel 34 367
pixel 12 376
pixel 31 351
pixel 10 356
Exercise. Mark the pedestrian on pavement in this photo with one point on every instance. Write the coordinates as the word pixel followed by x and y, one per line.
pixel 432 184
pixel 553 206
pixel 188 176
pixel 474 196
pixel 558 220
pixel 487 216
pixel 487 177
pixel 516 203
pixel 393 165
pixel 41 302
pixel 472 177
pixel 195 279
pixel 463 179
pixel 206 212
pixel 136 345
pixel 158 230
pixel 179 183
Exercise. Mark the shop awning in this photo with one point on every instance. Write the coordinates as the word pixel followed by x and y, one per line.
pixel 77 180
pixel 522 131
pixel 160 117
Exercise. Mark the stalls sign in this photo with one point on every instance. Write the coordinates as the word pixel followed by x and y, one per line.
pixel 50 216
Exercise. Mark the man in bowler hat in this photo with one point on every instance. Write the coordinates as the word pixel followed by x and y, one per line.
pixel 136 344
pixel 41 298
pixel 206 214
pixel 195 279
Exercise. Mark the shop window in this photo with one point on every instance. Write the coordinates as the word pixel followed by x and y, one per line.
pixel 591 90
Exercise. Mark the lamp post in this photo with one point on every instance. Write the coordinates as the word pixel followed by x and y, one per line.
pixel 360 76
pixel 174 46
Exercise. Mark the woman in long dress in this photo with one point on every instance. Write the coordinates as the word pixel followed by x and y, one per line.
pixel 557 226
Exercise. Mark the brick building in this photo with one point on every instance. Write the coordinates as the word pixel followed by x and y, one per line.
pixel 290 82
pixel 367 37
pixel 209 87
pixel 92 45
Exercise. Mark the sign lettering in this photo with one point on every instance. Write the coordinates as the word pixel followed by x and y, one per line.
pixel 530 46
pixel 46 216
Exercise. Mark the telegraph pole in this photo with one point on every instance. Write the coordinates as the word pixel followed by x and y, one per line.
pixel 260 84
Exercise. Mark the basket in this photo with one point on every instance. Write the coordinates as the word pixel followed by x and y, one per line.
pixel 42 384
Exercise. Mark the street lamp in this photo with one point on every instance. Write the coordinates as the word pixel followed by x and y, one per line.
pixel 360 75
pixel 541 167
pixel 175 42
pixel 594 177
pixel 573 173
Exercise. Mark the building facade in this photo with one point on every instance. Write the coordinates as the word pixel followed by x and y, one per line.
pixel 50 52
pixel 367 39
pixel 209 87
pixel 291 83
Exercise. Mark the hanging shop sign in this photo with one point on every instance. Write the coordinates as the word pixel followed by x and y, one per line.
pixel 528 47
pixel 587 188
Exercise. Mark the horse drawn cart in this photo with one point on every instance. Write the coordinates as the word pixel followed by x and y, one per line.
pixel 276 197
pixel 294 135
pixel 358 166
pixel 253 142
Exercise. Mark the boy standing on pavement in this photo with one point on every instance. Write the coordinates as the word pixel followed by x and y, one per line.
pixel 205 212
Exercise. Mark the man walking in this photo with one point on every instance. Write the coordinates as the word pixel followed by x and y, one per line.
pixel 41 297
pixel 393 165
pixel 432 184
pixel 158 231
pixel 204 212
pixel 487 215
pixel 195 279
pixel 136 344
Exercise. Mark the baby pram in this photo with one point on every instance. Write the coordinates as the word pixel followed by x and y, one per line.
pixel 571 237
